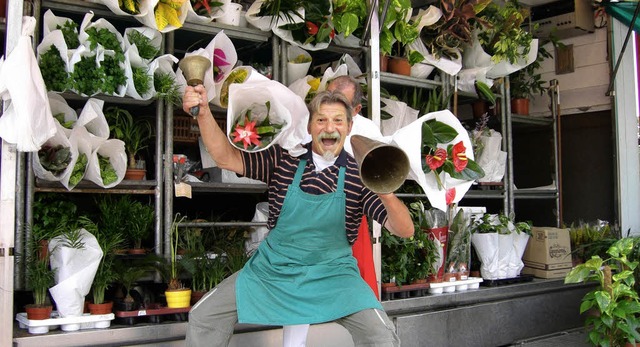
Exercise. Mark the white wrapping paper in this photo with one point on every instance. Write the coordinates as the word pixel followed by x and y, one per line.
pixel 286 108
pixel 75 270
pixel 26 120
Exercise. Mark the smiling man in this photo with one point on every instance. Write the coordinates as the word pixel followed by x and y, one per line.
pixel 303 272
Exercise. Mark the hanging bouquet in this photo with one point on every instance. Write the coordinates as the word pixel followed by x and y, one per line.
pixel 205 7
pixel 254 129
pixel 219 62
pixel 443 155
pixel 312 30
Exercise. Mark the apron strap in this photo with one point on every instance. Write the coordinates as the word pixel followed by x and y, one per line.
pixel 299 172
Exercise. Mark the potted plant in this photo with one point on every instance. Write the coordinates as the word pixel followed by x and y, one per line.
pixel 527 82
pixel 109 240
pixel 589 239
pixel 135 133
pixel 40 277
pixel 139 225
pixel 396 33
pixel 614 304
pixel 170 269
pixel 348 18
pixel 130 274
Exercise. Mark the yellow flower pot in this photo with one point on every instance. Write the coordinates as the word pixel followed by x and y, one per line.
pixel 178 298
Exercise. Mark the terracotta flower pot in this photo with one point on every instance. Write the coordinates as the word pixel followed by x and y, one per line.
pixel 135 174
pixel 104 308
pixel 520 106
pixel 38 312
pixel 384 61
pixel 196 296
pixel 399 66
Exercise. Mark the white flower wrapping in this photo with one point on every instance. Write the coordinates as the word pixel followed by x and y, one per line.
pixel 154 36
pixel 81 141
pixel 50 23
pixel 59 105
pixel 92 118
pixel 55 38
pixel 286 108
pixel 409 139
pixel 114 150
pixel 222 42
pixel 133 60
pixel 101 23
pixel 223 92
pixel 474 56
pixel 193 17
pixel 58 139
pixel 149 19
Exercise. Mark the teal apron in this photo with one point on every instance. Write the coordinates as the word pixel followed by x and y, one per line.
pixel 304 271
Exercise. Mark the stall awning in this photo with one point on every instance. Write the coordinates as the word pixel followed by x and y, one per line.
pixel 624 12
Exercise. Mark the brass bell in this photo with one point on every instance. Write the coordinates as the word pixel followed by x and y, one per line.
pixel 193 68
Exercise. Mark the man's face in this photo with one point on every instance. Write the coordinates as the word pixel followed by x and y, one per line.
pixel 349 93
pixel 329 128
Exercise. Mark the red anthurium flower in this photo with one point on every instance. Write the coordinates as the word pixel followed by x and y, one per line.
pixel 219 60
pixel 437 159
pixel 450 195
pixel 312 28
pixel 247 134
pixel 459 156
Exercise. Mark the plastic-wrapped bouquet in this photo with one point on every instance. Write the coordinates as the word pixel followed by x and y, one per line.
pixel 254 130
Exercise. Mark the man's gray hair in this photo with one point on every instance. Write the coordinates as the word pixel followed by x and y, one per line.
pixel 327 97
pixel 343 82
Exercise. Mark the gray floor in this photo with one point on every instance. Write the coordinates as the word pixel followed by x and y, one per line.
pixel 570 338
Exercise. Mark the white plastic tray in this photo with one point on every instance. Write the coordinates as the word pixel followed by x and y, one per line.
pixel 455 286
pixel 86 321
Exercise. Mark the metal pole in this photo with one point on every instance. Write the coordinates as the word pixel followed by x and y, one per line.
pixel 8 166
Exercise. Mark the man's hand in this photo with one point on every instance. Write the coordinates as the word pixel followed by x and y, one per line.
pixel 195 96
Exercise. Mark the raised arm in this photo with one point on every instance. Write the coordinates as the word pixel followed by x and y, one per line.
pixel 399 220
pixel 226 155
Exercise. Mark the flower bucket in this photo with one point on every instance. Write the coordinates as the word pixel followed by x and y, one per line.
pixel 178 298
pixel 231 15
pixel 439 236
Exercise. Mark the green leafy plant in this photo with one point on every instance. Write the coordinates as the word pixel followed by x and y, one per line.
pixel 113 75
pixel 590 239
pixel 140 222
pixel 129 6
pixel 315 28
pixel 505 38
pixel 70 33
pixel 107 172
pixel 39 274
pixel 53 69
pixel 54 159
pixel 86 77
pixel 446 37
pixel 396 33
pixel 166 88
pixel 146 49
pixel 615 301
pixel 527 82
pixel 141 79
pixel 105 38
pixel 78 169
pixel 134 132
pixel 128 277
pixel 109 240
pixel 286 9
pixel 348 17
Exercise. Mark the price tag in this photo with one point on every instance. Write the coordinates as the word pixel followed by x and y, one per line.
pixel 182 190
pixel 142 313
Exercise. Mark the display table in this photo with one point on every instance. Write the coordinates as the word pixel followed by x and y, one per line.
pixel 488 316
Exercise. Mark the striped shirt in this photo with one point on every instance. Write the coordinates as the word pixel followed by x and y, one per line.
pixel 277 168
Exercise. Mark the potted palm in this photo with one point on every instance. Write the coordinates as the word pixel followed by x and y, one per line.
pixel 128 277
pixel 139 225
pixel 40 277
pixel 171 268
pixel 109 240
pixel 135 133
pixel 527 82
pixel 614 303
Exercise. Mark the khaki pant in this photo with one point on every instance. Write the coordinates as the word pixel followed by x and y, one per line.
pixel 213 318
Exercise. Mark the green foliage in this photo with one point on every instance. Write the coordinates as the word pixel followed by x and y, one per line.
pixel 146 49
pixel 39 275
pixel 66 124
pixel 128 276
pixel 527 82
pixel 459 243
pixel 107 172
pixel 113 75
pixel 501 224
pixel 134 132
pixel 78 169
pixel 396 33
pixel 615 300
pixel 70 33
pixel 505 39
pixel 588 240
pixel 140 222
pixel 109 240
pixel 349 16
pixel 141 79
pixel 49 212
pixel 105 38
pixel 54 159
pixel 53 69
pixel 286 9
pixel 166 88
pixel 86 77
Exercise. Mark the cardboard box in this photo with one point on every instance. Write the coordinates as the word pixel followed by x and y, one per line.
pixel 548 253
